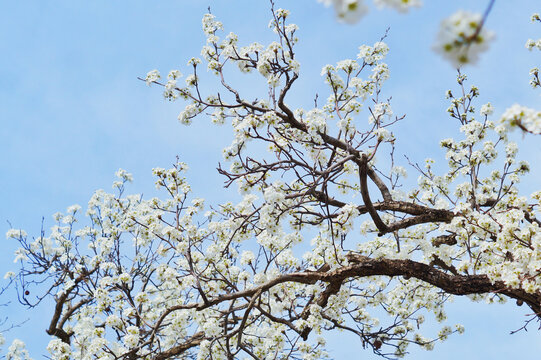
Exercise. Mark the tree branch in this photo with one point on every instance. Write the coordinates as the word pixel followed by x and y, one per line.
pixel 363 171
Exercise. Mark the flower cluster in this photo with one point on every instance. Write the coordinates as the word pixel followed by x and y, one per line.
pixel 531 44
pixel 462 38
pixel 524 118
pixel 17 351
pixel 351 11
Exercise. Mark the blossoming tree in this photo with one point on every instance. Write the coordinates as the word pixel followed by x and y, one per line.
pixel 324 237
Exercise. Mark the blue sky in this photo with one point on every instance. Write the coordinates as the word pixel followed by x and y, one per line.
pixel 72 112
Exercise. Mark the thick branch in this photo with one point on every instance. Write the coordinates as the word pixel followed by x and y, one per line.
pixel 362 266
pixel 180 349
pixel 429 217
pixel 452 284
pixel 380 184
pixel 56 324
pixel 392 205
pixel 322 301
pixel 363 171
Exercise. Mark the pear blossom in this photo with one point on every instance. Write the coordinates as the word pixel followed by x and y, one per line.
pixel 526 119
pixel 152 76
pixel 462 38
pixel 400 5
pixel 487 109
pixel 17 351
pixel 323 232
pixel 349 11
pixel 532 44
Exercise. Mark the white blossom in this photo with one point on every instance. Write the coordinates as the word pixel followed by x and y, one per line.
pixel 350 11
pixel 459 39
pixel 152 76
pixel 525 118
pixel 17 351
